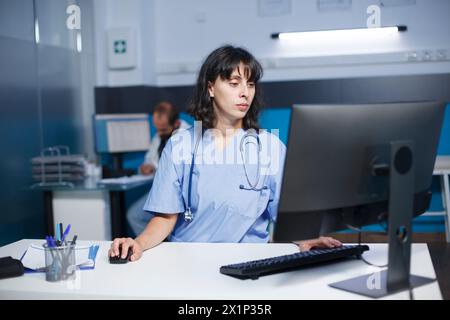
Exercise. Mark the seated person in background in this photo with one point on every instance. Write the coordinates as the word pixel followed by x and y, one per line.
pixel 166 121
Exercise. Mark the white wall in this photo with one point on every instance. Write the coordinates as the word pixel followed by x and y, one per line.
pixel 136 14
pixel 184 32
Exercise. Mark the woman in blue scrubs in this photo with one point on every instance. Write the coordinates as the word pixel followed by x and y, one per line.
pixel 220 180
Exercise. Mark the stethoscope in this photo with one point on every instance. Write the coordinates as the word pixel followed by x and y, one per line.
pixel 188 215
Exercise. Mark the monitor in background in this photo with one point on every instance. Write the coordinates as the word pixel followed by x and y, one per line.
pixel 354 165
pixel 116 134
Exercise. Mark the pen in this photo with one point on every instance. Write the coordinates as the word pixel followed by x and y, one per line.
pixel 55 243
pixel 73 244
pixel 61 234
pixel 74 239
pixel 49 243
pixel 50 246
pixel 66 232
pixel 57 235
pixel 72 247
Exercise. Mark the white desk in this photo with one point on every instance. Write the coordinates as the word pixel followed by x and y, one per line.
pixel 191 271
pixel 442 168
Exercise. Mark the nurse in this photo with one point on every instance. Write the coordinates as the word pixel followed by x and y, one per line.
pixel 220 180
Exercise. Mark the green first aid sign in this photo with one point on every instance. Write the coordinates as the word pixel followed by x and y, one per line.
pixel 120 47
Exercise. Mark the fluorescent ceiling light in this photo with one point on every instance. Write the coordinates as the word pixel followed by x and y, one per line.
pixel 366 32
pixel 36 31
pixel 79 42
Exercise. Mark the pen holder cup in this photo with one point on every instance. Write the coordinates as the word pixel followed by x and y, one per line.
pixel 60 263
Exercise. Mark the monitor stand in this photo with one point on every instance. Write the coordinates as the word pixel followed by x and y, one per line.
pixel 117 159
pixel 401 198
pixel 117 170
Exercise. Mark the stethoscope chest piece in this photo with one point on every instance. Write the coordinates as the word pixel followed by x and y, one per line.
pixel 188 217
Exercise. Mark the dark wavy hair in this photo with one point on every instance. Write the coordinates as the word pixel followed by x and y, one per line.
pixel 221 63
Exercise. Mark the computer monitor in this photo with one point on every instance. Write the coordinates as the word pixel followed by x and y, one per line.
pixel 358 164
pixel 116 134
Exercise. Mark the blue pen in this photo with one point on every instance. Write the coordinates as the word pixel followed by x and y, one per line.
pixel 47 239
pixel 66 232
pixel 52 242
pixel 50 245
pixel 57 235
pixel 49 242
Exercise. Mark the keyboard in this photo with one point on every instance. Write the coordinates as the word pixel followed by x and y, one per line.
pixel 255 269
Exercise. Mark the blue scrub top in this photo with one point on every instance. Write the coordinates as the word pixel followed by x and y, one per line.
pixel 223 212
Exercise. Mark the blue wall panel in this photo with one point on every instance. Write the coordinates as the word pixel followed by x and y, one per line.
pixel 444 145
pixel 21 214
pixel 41 106
pixel 276 118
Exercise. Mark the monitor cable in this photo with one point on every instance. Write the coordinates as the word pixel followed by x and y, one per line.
pixel 410 289
pixel 360 231
pixel 362 257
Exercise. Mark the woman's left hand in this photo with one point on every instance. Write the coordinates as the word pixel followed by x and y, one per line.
pixel 322 242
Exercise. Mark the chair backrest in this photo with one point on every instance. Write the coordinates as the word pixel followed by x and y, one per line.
pixel 276 118
pixel 444 144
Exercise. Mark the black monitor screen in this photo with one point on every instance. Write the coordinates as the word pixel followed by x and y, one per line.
pixel 328 180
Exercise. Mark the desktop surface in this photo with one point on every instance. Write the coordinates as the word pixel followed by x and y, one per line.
pixel 97 184
pixel 191 271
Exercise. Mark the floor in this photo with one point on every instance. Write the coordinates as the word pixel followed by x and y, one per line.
pixel 438 247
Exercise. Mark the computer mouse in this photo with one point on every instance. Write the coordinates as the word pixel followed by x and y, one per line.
pixel 118 259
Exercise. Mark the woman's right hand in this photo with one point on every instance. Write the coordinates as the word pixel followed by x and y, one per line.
pixel 322 242
pixel 126 243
